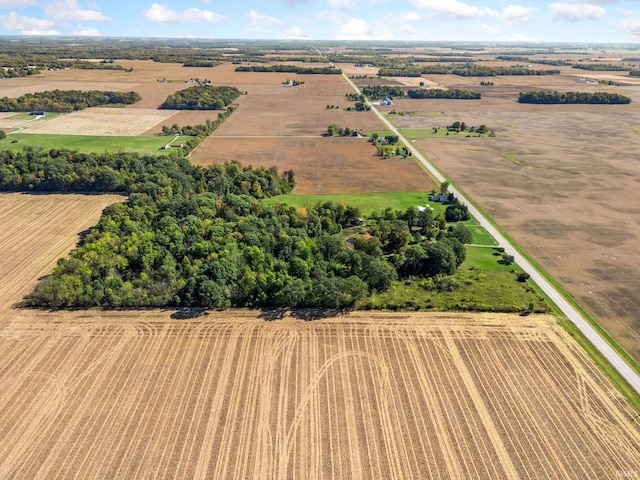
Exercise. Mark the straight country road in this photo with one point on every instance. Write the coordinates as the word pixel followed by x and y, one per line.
pixel 623 368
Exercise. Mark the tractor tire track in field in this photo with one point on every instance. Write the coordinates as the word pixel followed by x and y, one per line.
pixel 138 395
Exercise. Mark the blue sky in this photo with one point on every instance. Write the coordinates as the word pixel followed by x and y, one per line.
pixel 488 20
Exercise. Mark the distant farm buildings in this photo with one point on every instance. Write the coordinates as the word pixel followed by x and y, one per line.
pixel 38 113
pixel 386 101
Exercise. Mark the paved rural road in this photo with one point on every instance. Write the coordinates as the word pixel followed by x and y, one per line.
pixel 587 330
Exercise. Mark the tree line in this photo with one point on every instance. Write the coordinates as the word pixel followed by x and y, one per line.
pixel 463 70
pixel 382 91
pixel 202 97
pixel 66 100
pixel 548 97
pixel 453 93
pixel 288 69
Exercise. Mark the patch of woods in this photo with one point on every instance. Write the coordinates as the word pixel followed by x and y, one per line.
pixel 288 69
pixel 201 237
pixel 386 91
pixel 634 72
pixel 453 93
pixel 66 100
pixel 202 97
pixel 547 97
pixel 462 70
pixel 335 131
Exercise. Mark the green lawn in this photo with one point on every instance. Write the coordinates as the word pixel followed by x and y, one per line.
pixel 420 133
pixel 367 202
pixel 27 116
pixel 480 284
pixel 88 143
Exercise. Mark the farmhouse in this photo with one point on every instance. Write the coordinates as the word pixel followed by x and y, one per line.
pixel 38 113
pixel 439 197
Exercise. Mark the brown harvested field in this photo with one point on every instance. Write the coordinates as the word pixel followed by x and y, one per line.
pixel 36 231
pixel 102 121
pixel 230 395
pixel 184 117
pixel 561 180
pixel 321 165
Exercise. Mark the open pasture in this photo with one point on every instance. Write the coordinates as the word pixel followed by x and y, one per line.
pixel 561 180
pixel 229 395
pixel 149 145
pixel 102 121
pixel 36 231
pixel 321 165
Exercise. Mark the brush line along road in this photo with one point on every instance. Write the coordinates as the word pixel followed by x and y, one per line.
pixel 578 320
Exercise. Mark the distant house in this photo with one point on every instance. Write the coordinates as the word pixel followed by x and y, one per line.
pixel 38 113
pixel 439 197
pixel 177 145
pixel 386 101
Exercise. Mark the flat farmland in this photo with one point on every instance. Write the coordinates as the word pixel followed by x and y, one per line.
pixel 321 165
pixel 230 395
pixel 102 121
pixel 36 231
pixel 561 180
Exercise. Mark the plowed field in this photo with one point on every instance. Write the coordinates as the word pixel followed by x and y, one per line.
pixel 321 165
pixel 102 121
pixel 138 395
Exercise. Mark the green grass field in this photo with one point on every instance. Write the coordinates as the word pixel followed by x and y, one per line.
pixel 420 133
pixel 27 116
pixel 367 202
pixel 88 143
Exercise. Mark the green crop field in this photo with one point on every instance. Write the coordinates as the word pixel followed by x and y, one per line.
pixel 88 143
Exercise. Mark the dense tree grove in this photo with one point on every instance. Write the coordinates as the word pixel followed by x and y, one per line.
pixel 193 236
pixel 382 91
pixel 66 100
pixel 288 69
pixel 634 73
pixel 548 97
pixel 600 67
pixel 454 93
pixel 202 97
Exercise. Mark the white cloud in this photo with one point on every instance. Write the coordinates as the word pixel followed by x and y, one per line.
pixel 576 12
pixel 512 14
pixel 15 3
pixel 293 3
pixel 355 29
pixel 196 15
pixel 632 26
pixel 261 19
pixel 28 25
pixel 344 4
pixel 294 33
pixel 450 8
pixel 161 14
pixel 71 10
pixel 86 32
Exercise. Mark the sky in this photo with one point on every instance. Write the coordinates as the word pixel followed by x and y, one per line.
pixel 424 20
